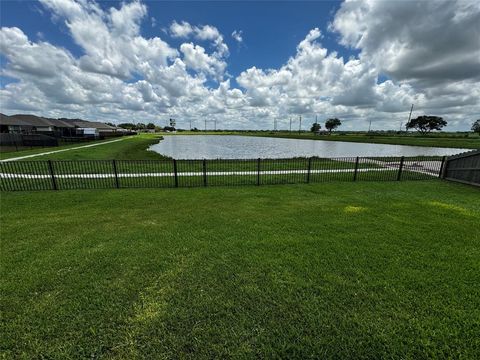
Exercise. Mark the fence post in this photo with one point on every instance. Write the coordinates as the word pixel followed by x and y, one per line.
pixel 175 171
pixel 114 163
pixel 309 169
pixel 258 171
pixel 54 181
pixel 441 173
pixel 400 169
pixel 356 169
pixel 204 172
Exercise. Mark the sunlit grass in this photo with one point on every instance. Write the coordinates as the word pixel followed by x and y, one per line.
pixel 331 270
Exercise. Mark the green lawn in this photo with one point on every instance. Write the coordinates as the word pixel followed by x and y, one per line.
pixel 129 148
pixel 334 270
pixel 435 140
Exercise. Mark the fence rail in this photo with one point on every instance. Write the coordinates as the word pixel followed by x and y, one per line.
pixel 96 174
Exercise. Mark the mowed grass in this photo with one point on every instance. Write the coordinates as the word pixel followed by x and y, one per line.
pixel 452 140
pixel 128 148
pixel 337 270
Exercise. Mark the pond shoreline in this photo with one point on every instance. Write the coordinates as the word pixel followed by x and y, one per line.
pixel 252 147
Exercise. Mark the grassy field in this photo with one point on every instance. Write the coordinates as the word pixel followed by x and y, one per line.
pixel 435 140
pixel 338 270
pixel 130 148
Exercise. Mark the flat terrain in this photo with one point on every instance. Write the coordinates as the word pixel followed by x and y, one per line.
pixel 130 148
pixel 448 140
pixel 333 270
pixel 135 147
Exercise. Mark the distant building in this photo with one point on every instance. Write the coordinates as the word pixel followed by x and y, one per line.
pixel 93 128
pixel 321 132
pixel 13 125
pixel 31 124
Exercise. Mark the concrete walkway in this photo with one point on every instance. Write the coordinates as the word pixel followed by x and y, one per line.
pixel 62 150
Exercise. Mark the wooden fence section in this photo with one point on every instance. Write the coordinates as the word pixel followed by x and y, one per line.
pixel 464 168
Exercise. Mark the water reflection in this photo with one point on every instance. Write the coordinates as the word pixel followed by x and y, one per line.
pixel 251 147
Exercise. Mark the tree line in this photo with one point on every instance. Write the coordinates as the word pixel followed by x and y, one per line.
pixel 137 126
pixel 423 124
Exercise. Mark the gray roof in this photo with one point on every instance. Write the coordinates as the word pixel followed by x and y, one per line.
pixel 33 120
pixel 12 120
pixel 61 123
pixel 92 124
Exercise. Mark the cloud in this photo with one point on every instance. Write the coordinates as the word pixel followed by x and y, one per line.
pixel 197 59
pixel 201 33
pixel 110 39
pixel 426 42
pixel 180 30
pixel 237 36
pixel 121 75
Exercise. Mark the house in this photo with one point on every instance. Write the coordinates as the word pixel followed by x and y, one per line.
pixel 93 128
pixel 14 125
pixel 46 126
pixel 58 128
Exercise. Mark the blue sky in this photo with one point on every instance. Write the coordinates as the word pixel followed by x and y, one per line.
pixel 271 31
pixel 361 61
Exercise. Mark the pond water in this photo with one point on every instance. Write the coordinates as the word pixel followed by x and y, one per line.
pixel 252 147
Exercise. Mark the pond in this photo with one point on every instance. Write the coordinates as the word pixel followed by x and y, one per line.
pixel 252 147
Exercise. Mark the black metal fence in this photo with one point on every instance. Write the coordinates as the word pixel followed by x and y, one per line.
pixel 96 174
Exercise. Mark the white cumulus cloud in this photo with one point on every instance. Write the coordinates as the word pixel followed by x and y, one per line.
pixel 426 53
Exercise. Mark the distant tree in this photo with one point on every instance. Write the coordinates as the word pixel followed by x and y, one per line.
pixel 424 124
pixel 168 128
pixel 332 124
pixel 109 123
pixel 476 126
pixel 140 126
pixel 150 126
pixel 315 127
pixel 128 126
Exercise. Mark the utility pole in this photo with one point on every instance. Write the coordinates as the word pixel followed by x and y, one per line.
pixel 401 123
pixel 290 124
pixel 300 125
pixel 409 116
pixel 369 125
pixel 215 126
pixel 190 123
pixel 205 124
